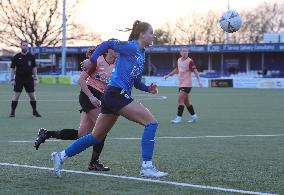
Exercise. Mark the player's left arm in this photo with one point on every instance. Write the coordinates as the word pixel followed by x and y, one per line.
pixel 195 71
pixel 84 87
pixel 34 70
pixel 138 84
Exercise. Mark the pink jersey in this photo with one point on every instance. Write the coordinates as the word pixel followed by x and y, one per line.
pixel 99 77
pixel 185 68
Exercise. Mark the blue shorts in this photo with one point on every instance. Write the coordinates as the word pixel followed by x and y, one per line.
pixel 114 99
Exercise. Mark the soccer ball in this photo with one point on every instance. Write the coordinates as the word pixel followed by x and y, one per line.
pixel 230 21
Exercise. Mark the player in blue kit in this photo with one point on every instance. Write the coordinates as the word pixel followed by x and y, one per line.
pixel 117 99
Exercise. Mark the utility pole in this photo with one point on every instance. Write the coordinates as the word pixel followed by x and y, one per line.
pixel 63 51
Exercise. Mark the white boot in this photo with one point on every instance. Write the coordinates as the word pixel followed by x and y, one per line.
pixel 148 170
pixel 194 118
pixel 176 120
pixel 57 163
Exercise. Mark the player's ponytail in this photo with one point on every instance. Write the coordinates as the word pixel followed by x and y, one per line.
pixel 137 28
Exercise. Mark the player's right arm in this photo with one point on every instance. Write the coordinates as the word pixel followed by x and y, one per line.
pixel 173 72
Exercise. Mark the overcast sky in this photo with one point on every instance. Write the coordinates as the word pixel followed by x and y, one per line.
pixel 107 16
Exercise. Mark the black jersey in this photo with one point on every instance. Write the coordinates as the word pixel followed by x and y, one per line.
pixel 23 64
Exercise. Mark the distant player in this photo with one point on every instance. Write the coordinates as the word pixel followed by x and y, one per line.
pixel 185 66
pixel 93 84
pixel 24 75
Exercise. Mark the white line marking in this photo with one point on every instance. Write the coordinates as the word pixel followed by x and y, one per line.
pixel 143 179
pixel 208 136
pixel 72 100
pixel 25 141
pixel 196 137
pixel 222 136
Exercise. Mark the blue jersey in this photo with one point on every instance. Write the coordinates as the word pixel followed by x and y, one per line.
pixel 129 64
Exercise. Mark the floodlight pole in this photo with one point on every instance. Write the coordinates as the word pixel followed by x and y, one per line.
pixel 227 34
pixel 63 51
pixel 228 4
pixel 226 42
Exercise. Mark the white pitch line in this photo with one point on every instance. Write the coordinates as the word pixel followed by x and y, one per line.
pixel 65 100
pixel 196 137
pixel 223 136
pixel 143 179
pixel 26 141
pixel 208 136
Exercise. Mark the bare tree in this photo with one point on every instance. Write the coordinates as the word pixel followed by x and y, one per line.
pixel 267 17
pixel 39 22
pixel 196 28
pixel 203 28
pixel 162 37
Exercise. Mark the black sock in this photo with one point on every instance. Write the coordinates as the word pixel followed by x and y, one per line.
pixel 68 134
pixel 97 149
pixel 191 110
pixel 180 110
pixel 53 134
pixel 33 104
pixel 64 134
pixel 13 106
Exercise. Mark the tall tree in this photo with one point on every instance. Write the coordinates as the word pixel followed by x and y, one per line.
pixel 39 22
pixel 265 18
pixel 203 28
pixel 162 37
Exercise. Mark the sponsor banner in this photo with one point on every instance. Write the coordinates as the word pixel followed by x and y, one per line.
pixel 161 81
pixel 271 83
pixel 262 83
pixel 173 81
pixel 47 79
pixel 245 82
pixel 55 79
pixel 212 48
pixel 64 80
pixel 221 83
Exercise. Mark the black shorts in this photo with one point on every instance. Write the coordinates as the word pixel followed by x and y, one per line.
pixel 85 102
pixel 27 83
pixel 114 99
pixel 185 89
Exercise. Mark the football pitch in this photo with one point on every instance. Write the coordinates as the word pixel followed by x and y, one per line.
pixel 237 146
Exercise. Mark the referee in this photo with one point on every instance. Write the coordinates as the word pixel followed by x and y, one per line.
pixel 24 75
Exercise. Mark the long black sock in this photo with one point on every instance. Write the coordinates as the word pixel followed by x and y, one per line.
pixel 191 110
pixel 13 106
pixel 64 134
pixel 180 110
pixel 97 149
pixel 53 134
pixel 33 104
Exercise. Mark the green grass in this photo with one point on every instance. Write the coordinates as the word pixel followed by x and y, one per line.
pixel 245 163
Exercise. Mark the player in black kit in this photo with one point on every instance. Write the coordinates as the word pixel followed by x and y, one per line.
pixel 24 75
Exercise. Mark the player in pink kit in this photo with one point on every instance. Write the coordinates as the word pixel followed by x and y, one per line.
pixel 185 66
pixel 93 83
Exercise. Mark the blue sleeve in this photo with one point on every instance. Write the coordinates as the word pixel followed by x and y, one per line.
pixel 122 47
pixel 140 85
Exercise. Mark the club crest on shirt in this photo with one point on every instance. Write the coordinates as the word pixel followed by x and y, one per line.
pixel 139 67
pixel 29 63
